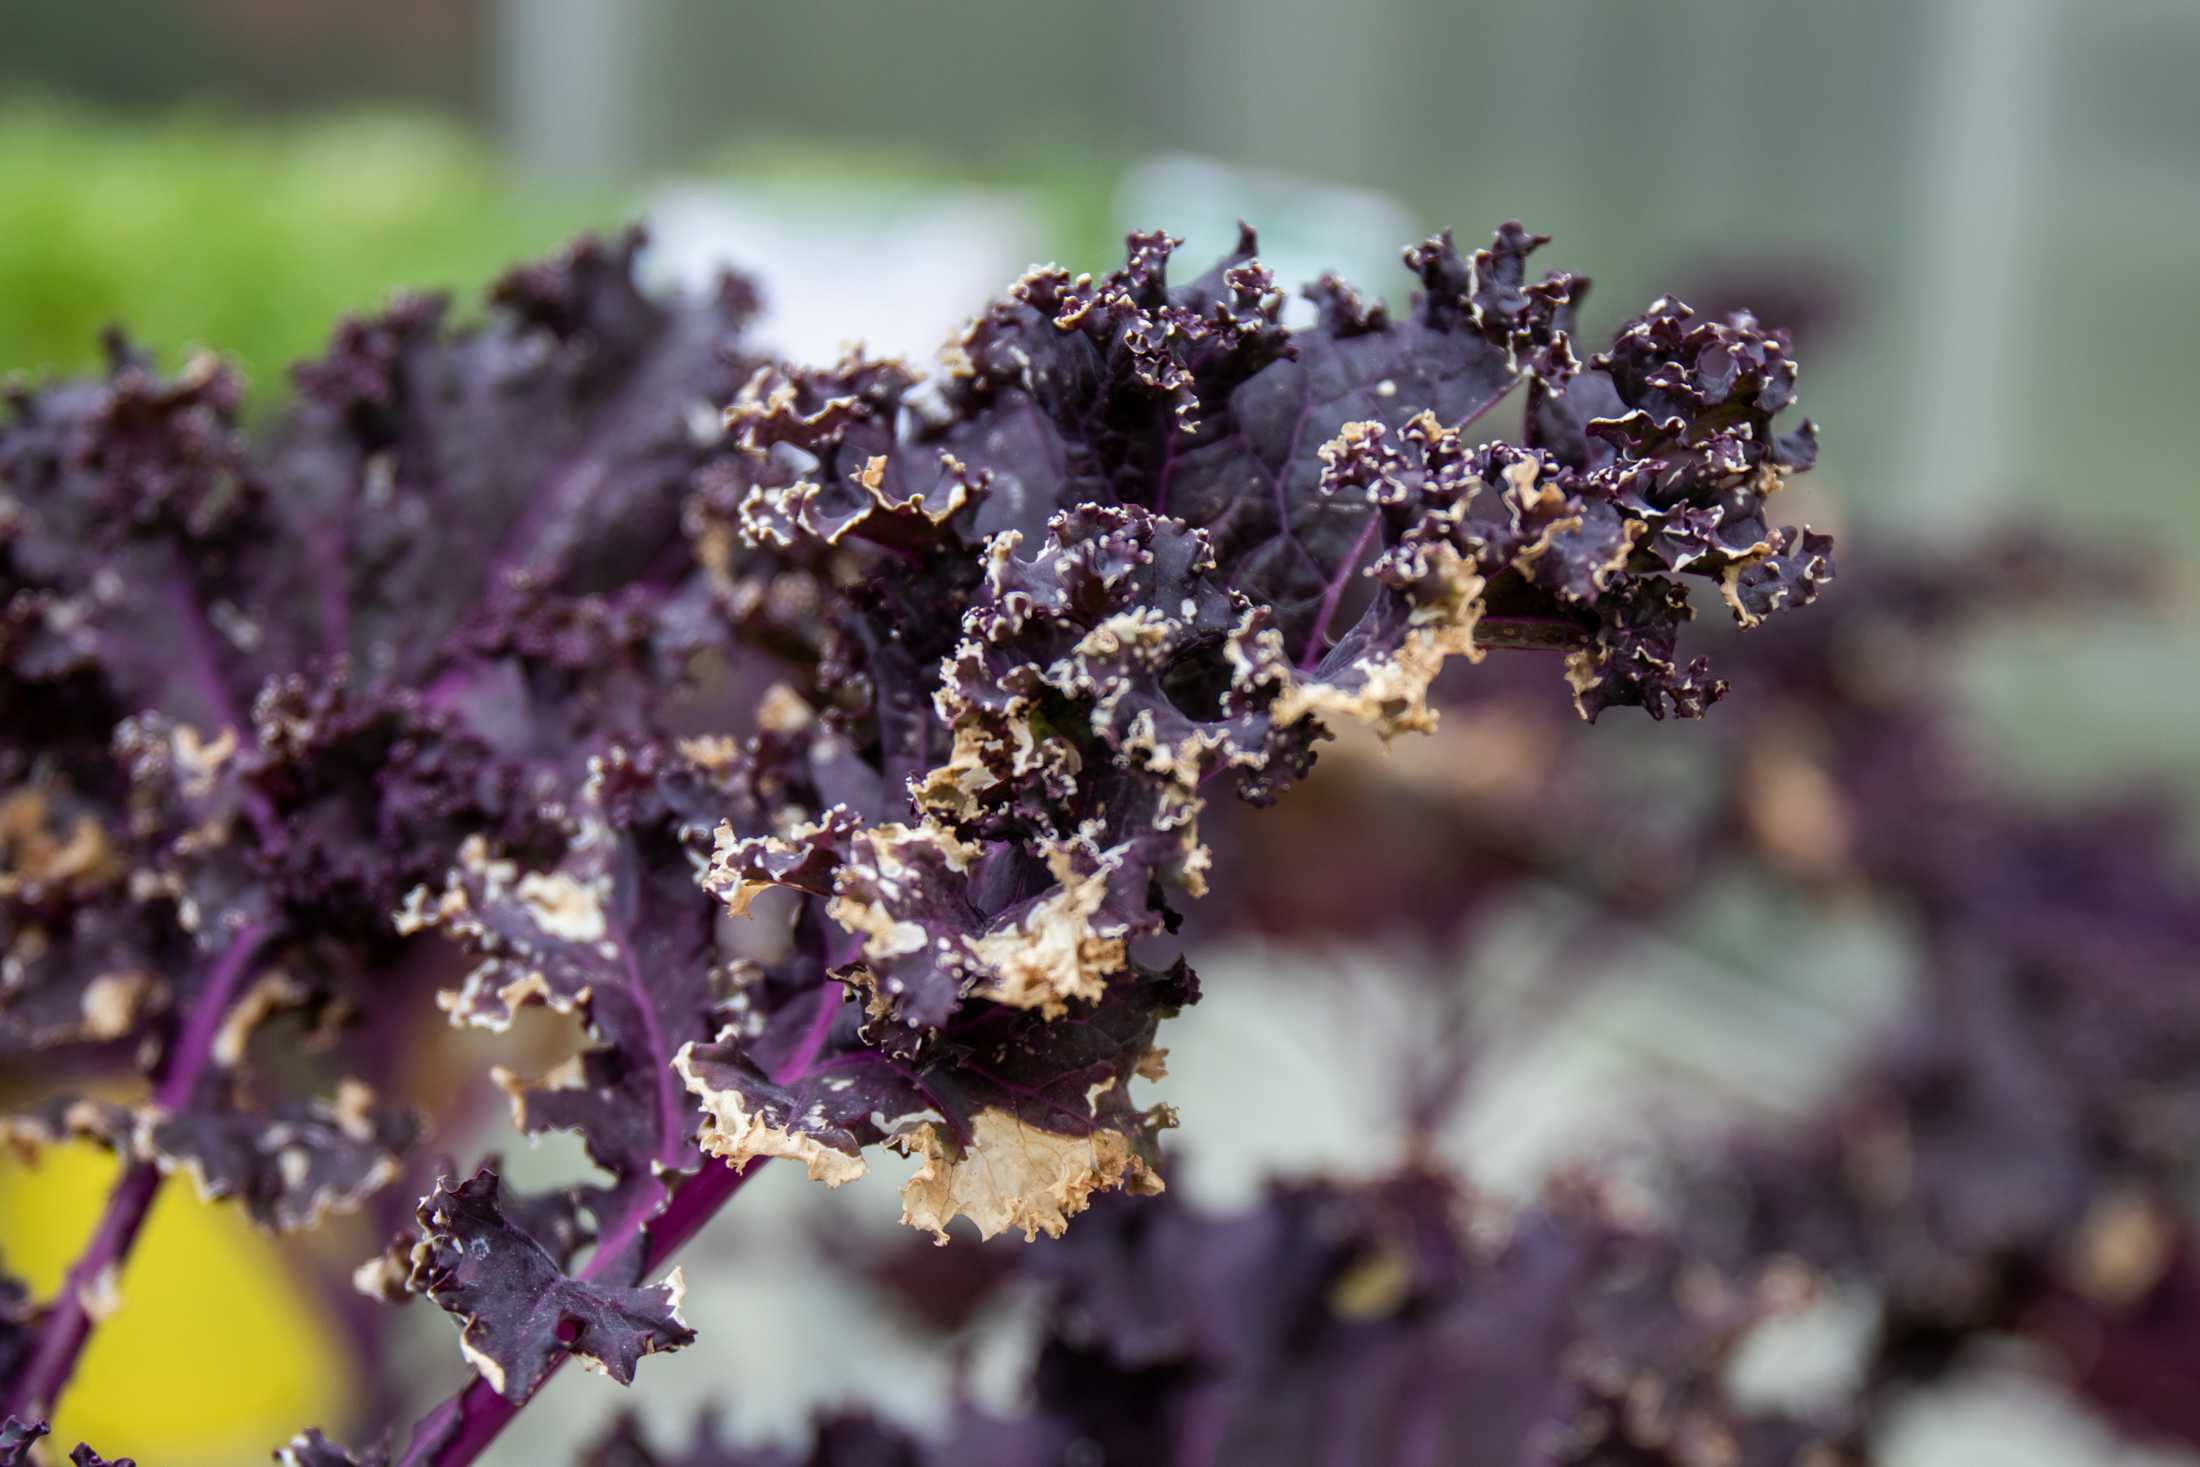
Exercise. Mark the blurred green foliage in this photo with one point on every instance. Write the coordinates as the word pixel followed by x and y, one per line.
pixel 203 230
pixel 200 230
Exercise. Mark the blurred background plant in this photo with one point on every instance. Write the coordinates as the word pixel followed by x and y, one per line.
pixel 203 229
pixel 1976 216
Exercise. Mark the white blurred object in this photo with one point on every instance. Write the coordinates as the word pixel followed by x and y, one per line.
pixel 903 273
pixel 2000 1417
pixel 900 275
pixel 1306 227
pixel 1807 1363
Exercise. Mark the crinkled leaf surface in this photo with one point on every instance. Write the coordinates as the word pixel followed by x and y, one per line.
pixel 518 1311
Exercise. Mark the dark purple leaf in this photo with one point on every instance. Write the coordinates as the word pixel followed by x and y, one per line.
pixel 517 1310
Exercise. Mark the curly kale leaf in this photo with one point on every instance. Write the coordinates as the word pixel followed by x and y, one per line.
pixel 518 1310
pixel 287 682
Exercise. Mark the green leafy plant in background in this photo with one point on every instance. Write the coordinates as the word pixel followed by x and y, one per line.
pixel 214 230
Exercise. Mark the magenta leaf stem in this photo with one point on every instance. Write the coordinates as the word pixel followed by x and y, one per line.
pixel 461 1428
pixel 88 1289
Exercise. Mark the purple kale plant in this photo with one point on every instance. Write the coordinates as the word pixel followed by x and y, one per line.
pixel 830 745
pixel 1392 1322
pixel 2015 1156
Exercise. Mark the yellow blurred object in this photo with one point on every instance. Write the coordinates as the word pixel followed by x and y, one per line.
pixel 217 1353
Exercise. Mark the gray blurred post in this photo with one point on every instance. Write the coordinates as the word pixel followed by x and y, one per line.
pixel 1986 129
pixel 570 84
pixel 1221 98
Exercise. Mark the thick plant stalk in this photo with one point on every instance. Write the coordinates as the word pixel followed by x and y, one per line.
pixel 88 1289
pixel 89 1286
pixel 459 1430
